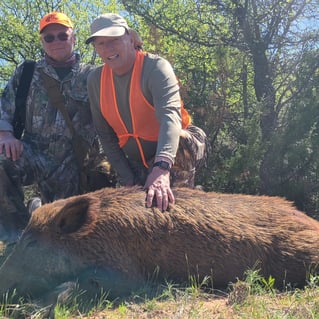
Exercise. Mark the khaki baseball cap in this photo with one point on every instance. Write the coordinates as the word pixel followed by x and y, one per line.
pixel 55 18
pixel 108 25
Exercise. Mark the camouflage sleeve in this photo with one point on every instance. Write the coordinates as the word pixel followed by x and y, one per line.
pixel 7 102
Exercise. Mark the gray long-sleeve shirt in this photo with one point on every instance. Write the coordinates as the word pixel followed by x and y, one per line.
pixel 160 87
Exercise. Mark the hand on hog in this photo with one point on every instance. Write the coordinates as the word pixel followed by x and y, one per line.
pixel 158 186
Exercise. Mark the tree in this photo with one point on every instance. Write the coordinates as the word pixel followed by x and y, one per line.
pixel 270 30
pixel 297 140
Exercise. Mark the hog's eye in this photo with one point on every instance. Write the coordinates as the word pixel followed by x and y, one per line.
pixel 31 244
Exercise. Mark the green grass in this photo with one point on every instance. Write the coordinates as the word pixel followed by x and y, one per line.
pixel 255 297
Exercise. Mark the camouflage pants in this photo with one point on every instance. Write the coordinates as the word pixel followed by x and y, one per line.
pixel 53 179
pixel 191 155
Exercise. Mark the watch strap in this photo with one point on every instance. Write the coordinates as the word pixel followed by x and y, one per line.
pixel 163 165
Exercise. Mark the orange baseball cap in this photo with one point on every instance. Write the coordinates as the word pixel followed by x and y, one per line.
pixel 57 18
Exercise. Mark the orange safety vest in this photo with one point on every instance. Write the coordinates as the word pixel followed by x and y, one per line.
pixel 144 122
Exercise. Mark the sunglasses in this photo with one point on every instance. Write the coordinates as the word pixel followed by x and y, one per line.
pixel 62 36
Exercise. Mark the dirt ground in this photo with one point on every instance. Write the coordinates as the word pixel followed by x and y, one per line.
pixel 198 308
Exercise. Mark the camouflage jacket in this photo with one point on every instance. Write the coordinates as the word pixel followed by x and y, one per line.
pixel 45 126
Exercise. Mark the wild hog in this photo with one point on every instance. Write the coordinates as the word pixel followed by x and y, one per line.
pixel 111 238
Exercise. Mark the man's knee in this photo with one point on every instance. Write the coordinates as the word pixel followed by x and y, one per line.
pixel 182 178
pixel 13 213
pixel 193 148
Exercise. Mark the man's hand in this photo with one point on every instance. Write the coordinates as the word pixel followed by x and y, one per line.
pixel 10 146
pixel 158 186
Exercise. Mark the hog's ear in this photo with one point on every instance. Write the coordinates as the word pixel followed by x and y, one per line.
pixel 73 216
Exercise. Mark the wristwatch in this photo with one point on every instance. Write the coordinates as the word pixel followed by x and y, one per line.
pixel 163 165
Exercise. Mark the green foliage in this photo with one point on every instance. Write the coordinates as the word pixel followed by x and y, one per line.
pixel 313 281
pixel 295 147
pixel 259 284
pixel 239 163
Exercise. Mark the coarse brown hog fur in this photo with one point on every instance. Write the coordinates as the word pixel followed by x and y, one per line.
pixel 203 234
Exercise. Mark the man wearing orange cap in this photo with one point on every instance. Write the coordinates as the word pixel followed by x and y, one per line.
pixel 45 155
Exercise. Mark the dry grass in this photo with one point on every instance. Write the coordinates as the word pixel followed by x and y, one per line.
pixel 199 308
pixel 293 305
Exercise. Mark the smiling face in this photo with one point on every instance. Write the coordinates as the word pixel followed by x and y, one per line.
pixel 62 46
pixel 117 52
